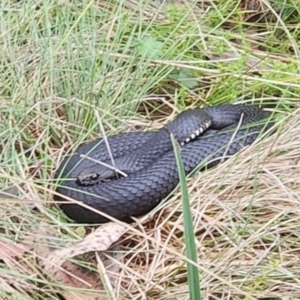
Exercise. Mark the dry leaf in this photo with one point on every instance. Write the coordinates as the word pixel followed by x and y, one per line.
pixel 77 276
pixel 82 278
pixel 57 266
pixel 99 240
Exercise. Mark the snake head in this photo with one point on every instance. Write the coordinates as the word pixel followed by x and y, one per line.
pixel 88 179
pixel 92 177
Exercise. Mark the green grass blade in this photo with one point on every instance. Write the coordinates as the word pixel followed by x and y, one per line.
pixel 193 274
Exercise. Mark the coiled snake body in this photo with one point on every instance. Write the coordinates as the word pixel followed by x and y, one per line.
pixel 206 136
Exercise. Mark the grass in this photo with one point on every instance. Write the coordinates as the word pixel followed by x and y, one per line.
pixel 137 64
pixel 189 234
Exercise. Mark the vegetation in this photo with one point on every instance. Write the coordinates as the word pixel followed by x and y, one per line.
pixel 72 71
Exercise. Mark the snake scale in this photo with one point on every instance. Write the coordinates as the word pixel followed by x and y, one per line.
pixel 205 137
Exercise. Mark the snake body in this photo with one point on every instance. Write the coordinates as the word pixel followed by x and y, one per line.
pixel 206 136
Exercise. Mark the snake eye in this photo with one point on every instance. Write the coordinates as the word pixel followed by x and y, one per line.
pixel 94 176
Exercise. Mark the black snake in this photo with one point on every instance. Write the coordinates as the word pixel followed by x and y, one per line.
pixel 205 137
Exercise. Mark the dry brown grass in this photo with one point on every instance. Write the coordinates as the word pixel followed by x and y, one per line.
pixel 246 215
